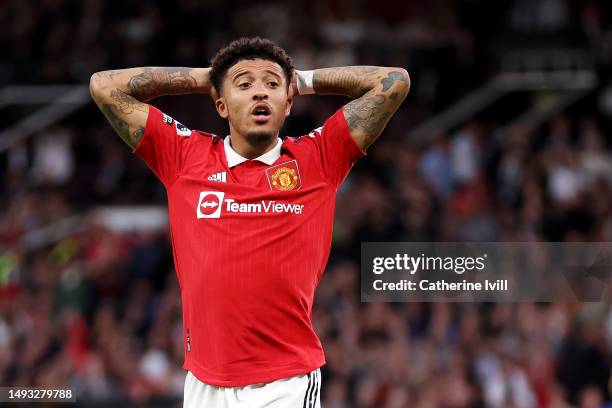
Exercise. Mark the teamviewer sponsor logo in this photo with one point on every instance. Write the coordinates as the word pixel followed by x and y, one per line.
pixel 209 204
pixel 212 203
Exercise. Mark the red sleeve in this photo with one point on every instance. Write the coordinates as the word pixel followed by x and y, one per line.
pixel 337 148
pixel 163 144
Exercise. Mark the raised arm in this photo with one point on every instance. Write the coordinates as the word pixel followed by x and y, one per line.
pixel 121 94
pixel 377 93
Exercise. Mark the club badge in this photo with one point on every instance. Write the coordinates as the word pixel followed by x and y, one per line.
pixel 284 176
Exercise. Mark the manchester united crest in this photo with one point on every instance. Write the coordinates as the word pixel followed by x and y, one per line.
pixel 284 176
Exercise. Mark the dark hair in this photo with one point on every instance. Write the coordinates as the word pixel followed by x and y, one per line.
pixel 248 49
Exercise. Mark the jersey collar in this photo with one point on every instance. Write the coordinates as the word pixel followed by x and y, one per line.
pixel 234 159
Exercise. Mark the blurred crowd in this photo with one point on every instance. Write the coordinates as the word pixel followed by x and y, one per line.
pixel 98 309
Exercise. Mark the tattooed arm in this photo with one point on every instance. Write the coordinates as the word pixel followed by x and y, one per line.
pixel 377 93
pixel 120 94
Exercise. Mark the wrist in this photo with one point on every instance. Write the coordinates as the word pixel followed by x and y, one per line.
pixel 305 82
pixel 203 82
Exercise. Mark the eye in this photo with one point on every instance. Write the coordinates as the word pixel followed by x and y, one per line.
pixel 273 84
pixel 244 85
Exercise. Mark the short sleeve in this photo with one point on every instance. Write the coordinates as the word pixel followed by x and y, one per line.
pixel 337 148
pixel 163 144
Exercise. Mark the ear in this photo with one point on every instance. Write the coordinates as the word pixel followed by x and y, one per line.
pixel 221 107
pixel 289 105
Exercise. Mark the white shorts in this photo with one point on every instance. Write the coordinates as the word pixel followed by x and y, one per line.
pixel 301 391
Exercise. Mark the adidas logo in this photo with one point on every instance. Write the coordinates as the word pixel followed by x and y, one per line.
pixel 220 177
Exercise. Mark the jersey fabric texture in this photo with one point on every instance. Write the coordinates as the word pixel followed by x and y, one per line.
pixel 250 245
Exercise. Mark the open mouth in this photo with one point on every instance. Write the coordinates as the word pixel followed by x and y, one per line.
pixel 261 112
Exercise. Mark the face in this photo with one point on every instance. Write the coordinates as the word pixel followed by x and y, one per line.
pixel 254 99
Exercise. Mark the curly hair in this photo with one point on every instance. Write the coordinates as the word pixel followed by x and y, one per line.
pixel 248 49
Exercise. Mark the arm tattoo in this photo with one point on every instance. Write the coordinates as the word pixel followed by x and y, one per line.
pixel 367 113
pixel 391 78
pixel 103 76
pixel 126 103
pixel 377 94
pixel 350 81
pixel 121 127
pixel 120 94
pixel 110 74
pixel 153 82
pixel 138 134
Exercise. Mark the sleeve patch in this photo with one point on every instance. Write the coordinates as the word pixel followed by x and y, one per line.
pixel 167 119
pixel 182 130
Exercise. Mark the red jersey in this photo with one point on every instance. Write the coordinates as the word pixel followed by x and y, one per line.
pixel 250 245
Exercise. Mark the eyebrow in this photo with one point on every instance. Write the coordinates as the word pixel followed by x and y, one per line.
pixel 250 72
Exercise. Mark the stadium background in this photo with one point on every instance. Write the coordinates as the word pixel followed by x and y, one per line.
pixel 88 297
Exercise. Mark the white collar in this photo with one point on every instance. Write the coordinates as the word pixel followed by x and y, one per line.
pixel 234 159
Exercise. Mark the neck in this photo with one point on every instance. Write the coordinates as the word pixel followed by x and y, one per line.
pixel 251 149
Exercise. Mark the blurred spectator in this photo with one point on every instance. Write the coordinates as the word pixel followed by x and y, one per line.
pixel 53 160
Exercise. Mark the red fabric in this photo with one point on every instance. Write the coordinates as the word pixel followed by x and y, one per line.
pixel 248 277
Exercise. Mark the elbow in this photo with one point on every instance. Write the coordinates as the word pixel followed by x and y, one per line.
pixel 404 82
pixel 396 82
pixel 94 85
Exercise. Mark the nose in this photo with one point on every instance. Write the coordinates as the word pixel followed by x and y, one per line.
pixel 260 93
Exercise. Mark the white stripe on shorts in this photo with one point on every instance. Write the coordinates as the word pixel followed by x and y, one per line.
pixel 311 397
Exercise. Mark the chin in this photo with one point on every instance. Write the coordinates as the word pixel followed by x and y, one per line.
pixel 260 137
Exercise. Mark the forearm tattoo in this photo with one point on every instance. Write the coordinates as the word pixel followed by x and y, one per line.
pixel 131 138
pixel 120 94
pixel 392 78
pixel 126 103
pixel 377 94
pixel 349 81
pixel 367 113
pixel 153 82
